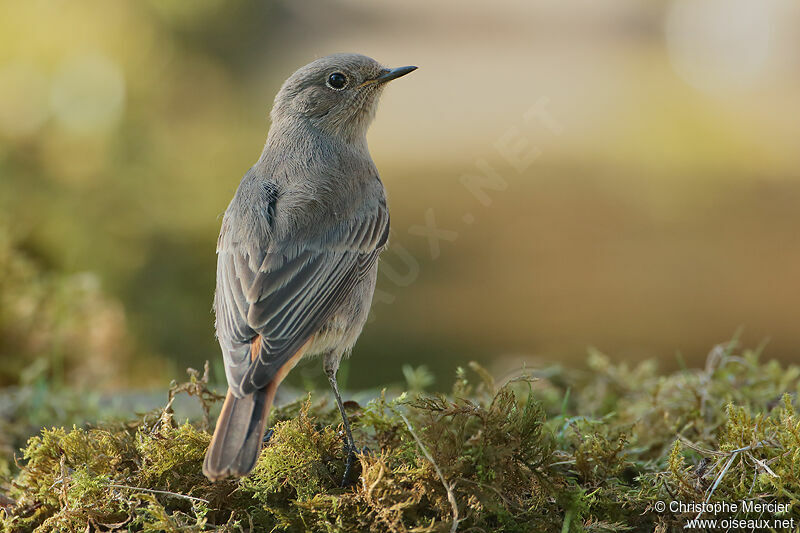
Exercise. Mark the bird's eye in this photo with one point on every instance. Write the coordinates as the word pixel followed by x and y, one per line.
pixel 337 81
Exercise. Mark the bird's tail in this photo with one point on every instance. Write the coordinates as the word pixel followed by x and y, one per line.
pixel 237 438
pixel 240 427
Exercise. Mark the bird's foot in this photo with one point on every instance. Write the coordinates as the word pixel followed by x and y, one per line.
pixel 351 452
pixel 350 455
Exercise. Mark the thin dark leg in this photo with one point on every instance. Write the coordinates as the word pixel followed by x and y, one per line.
pixel 350 445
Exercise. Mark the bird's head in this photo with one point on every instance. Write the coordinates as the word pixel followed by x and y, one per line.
pixel 337 94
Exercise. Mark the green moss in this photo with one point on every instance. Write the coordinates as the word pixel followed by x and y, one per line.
pixel 573 451
pixel 300 462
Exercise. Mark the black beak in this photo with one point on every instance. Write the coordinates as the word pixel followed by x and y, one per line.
pixel 393 74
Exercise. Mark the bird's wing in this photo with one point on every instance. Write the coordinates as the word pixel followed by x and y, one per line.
pixel 265 313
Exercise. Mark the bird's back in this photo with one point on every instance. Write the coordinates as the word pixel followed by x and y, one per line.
pixel 311 183
pixel 306 195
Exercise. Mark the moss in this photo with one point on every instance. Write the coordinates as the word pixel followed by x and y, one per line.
pixel 575 450
pixel 757 456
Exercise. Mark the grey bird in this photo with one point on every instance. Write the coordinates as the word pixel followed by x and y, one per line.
pixel 298 249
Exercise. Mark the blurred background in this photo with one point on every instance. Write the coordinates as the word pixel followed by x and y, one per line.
pixel 643 189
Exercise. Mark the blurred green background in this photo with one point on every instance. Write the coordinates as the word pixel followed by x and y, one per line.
pixel 657 212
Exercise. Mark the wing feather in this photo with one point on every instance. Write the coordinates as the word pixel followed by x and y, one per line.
pixel 295 289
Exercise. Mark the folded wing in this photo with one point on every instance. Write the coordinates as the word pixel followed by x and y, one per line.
pixel 287 294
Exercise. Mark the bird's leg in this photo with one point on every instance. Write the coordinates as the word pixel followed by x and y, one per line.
pixel 350 445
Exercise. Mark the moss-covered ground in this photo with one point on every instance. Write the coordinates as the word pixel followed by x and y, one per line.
pixel 558 450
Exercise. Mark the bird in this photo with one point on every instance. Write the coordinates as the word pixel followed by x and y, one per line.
pixel 297 253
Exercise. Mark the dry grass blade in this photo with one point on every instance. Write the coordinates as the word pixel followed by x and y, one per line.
pixel 451 497
pixel 155 491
